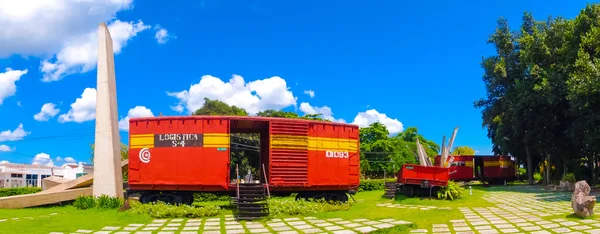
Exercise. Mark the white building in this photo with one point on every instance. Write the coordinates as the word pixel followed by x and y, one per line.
pixel 21 175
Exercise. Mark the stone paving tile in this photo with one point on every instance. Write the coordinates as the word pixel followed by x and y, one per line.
pixel 296 225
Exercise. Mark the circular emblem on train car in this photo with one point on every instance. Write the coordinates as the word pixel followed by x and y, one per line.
pixel 145 155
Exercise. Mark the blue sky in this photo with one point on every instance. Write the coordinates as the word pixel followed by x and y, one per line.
pixel 402 63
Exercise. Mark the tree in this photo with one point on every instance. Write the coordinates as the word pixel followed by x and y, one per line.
pixel 381 152
pixel 543 93
pixel 217 107
pixel 463 150
pixel 288 114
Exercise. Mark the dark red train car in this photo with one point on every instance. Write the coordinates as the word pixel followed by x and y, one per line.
pixel 176 156
pixel 484 168
pixel 461 168
pixel 498 168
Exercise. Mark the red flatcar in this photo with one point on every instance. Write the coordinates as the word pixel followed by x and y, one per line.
pixel 172 157
pixel 413 178
pixel 485 168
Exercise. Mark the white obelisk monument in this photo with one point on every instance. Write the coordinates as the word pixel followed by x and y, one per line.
pixel 108 179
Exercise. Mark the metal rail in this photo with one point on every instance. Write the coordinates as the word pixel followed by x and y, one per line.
pixel 266 181
pixel 237 183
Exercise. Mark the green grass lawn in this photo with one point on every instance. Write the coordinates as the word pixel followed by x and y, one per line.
pixel 70 219
pixel 67 219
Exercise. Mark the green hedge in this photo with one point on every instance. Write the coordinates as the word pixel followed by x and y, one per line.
pixel 161 210
pixel 7 192
pixel 373 184
pixel 208 197
pixel 288 207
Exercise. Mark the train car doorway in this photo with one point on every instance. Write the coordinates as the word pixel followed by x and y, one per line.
pixel 478 162
pixel 249 144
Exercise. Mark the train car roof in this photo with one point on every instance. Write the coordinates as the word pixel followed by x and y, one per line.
pixel 246 118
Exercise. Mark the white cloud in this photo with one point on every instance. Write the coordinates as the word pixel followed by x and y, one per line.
pixel 59 159
pixel 79 55
pixel 83 109
pixel 42 28
pixel 309 93
pixel 6 148
pixel 325 111
pixel 138 111
pixel 70 160
pixel 48 111
pixel 162 35
pixel 364 119
pixel 4 162
pixel 8 79
pixel 255 96
pixel 42 159
pixel 18 134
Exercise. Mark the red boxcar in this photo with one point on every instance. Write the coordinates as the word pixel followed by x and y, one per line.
pixel 485 168
pixel 180 155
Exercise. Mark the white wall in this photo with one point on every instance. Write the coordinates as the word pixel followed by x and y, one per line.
pixel 36 173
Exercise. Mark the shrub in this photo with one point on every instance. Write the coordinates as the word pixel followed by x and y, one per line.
pixel 287 207
pixel 161 210
pixel 569 177
pixel 452 191
pixel 6 192
pixel 537 176
pixel 84 202
pixel 207 197
pixel 102 202
pixel 373 184
pixel 106 202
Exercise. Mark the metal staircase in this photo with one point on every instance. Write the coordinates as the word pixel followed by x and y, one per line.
pixel 390 190
pixel 251 201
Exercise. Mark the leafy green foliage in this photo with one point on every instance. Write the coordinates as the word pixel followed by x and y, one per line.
pixel 84 202
pixel 161 210
pixel 101 202
pixel 537 176
pixel 291 115
pixel 451 192
pixel 543 92
pixel 217 107
pixel 7 192
pixel 287 207
pixel 381 152
pixel 570 177
pixel 208 197
pixel 463 150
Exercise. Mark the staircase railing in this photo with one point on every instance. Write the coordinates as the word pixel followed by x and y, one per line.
pixel 237 183
pixel 266 181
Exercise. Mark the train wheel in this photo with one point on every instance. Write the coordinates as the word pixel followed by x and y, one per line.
pixel 167 198
pixel 337 197
pixel 409 190
pixel 188 198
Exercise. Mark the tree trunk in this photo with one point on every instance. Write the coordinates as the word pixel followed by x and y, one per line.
pixel 592 160
pixel 529 166
pixel 548 168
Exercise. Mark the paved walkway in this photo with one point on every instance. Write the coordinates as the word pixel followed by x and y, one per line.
pixel 405 206
pixel 518 212
pixel 229 225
